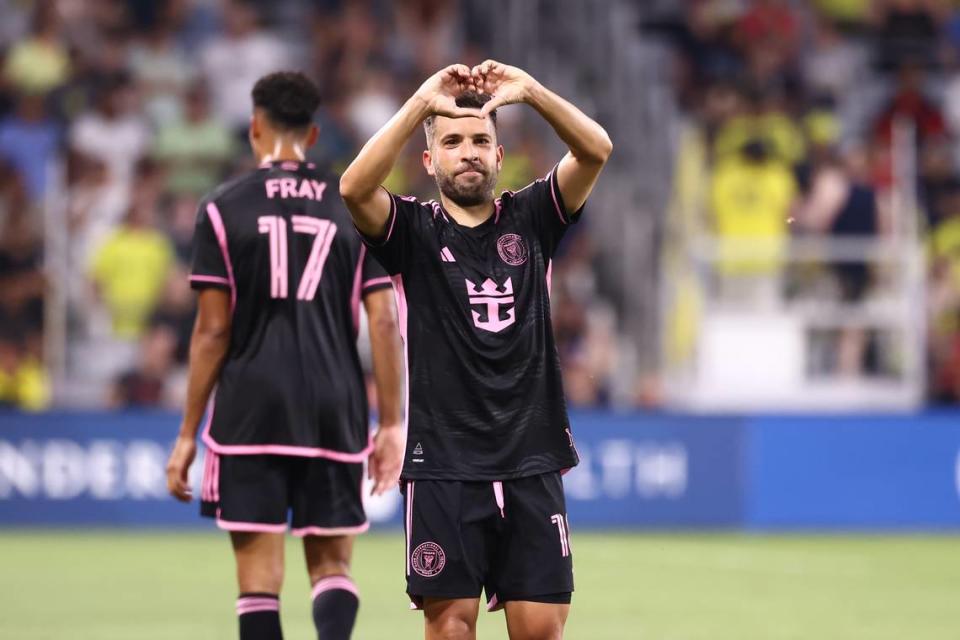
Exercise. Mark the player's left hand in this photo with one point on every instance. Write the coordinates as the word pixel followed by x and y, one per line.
pixel 386 462
pixel 178 467
pixel 507 85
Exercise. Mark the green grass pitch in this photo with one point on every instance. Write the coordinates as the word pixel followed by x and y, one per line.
pixel 132 586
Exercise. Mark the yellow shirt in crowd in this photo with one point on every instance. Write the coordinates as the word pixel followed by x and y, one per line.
pixel 751 204
pixel 27 388
pixel 130 270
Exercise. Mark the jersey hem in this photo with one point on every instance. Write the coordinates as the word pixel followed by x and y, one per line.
pixel 285 450
pixel 487 477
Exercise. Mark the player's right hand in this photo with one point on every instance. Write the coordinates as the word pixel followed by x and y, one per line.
pixel 440 92
pixel 178 467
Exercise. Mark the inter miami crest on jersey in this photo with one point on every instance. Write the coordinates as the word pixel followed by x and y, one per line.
pixel 486 397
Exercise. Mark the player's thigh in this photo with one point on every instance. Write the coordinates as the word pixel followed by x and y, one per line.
pixel 448 545
pixel 450 618
pixel 535 561
pixel 535 620
pixel 247 493
pixel 259 559
pixel 327 556
pixel 326 498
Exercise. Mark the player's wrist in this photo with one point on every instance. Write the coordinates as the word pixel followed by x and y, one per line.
pixel 533 92
pixel 421 103
pixel 187 432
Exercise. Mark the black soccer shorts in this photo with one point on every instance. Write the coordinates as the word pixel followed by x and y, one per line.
pixel 510 539
pixel 263 493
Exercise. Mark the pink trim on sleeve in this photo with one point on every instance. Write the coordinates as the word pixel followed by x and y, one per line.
pixel 214 279
pixel 556 203
pixel 217 222
pixel 355 290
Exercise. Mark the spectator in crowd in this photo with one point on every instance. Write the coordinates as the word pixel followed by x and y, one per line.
pixel 910 103
pixel 39 63
pixel 194 149
pixel 114 132
pixel 24 384
pixel 162 71
pixel 908 30
pixel 176 310
pixel 29 141
pixel 147 384
pixel 944 295
pixel 841 204
pixel 131 268
pixel 752 195
pixel 233 61
pixel 22 282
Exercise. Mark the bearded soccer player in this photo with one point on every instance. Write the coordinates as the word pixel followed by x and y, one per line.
pixel 488 434
pixel 281 274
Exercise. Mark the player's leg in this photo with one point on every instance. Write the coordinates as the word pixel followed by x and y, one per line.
pixel 259 559
pixel 335 596
pixel 328 512
pixel 248 497
pixel 450 619
pixel 535 620
pixel 533 575
pixel 448 527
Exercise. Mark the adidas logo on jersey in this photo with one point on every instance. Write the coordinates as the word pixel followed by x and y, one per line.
pixel 446 255
pixel 418 450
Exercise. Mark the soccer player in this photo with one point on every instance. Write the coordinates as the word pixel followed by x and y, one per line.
pixel 281 274
pixel 488 434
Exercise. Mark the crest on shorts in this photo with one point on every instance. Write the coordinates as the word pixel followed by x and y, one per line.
pixel 512 249
pixel 428 559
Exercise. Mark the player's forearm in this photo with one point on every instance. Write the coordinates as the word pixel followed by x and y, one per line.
pixel 208 349
pixel 387 354
pixel 587 141
pixel 362 179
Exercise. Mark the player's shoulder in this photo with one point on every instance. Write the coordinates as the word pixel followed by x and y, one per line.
pixel 237 186
pixel 527 193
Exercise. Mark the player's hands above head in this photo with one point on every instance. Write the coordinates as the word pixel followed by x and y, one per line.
pixel 386 462
pixel 507 85
pixel 440 91
pixel 178 467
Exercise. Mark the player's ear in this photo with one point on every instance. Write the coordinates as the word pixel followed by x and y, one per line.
pixel 499 157
pixel 428 162
pixel 312 136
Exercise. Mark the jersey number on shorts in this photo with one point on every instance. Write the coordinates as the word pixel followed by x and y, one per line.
pixel 276 229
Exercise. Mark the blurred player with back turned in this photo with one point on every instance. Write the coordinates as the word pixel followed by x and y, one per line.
pixel 281 274
pixel 488 434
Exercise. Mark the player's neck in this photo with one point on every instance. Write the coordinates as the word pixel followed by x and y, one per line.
pixel 467 216
pixel 283 151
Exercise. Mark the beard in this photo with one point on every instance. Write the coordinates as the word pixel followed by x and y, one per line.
pixel 467 194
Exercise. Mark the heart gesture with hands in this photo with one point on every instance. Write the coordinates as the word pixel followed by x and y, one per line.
pixel 440 92
pixel 507 85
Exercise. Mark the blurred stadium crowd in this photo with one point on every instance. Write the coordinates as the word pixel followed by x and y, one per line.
pixel 117 115
pixel 791 111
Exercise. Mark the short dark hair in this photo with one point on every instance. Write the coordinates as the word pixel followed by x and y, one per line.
pixel 469 100
pixel 289 99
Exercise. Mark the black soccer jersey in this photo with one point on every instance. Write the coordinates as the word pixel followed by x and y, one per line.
pixel 280 240
pixel 485 394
